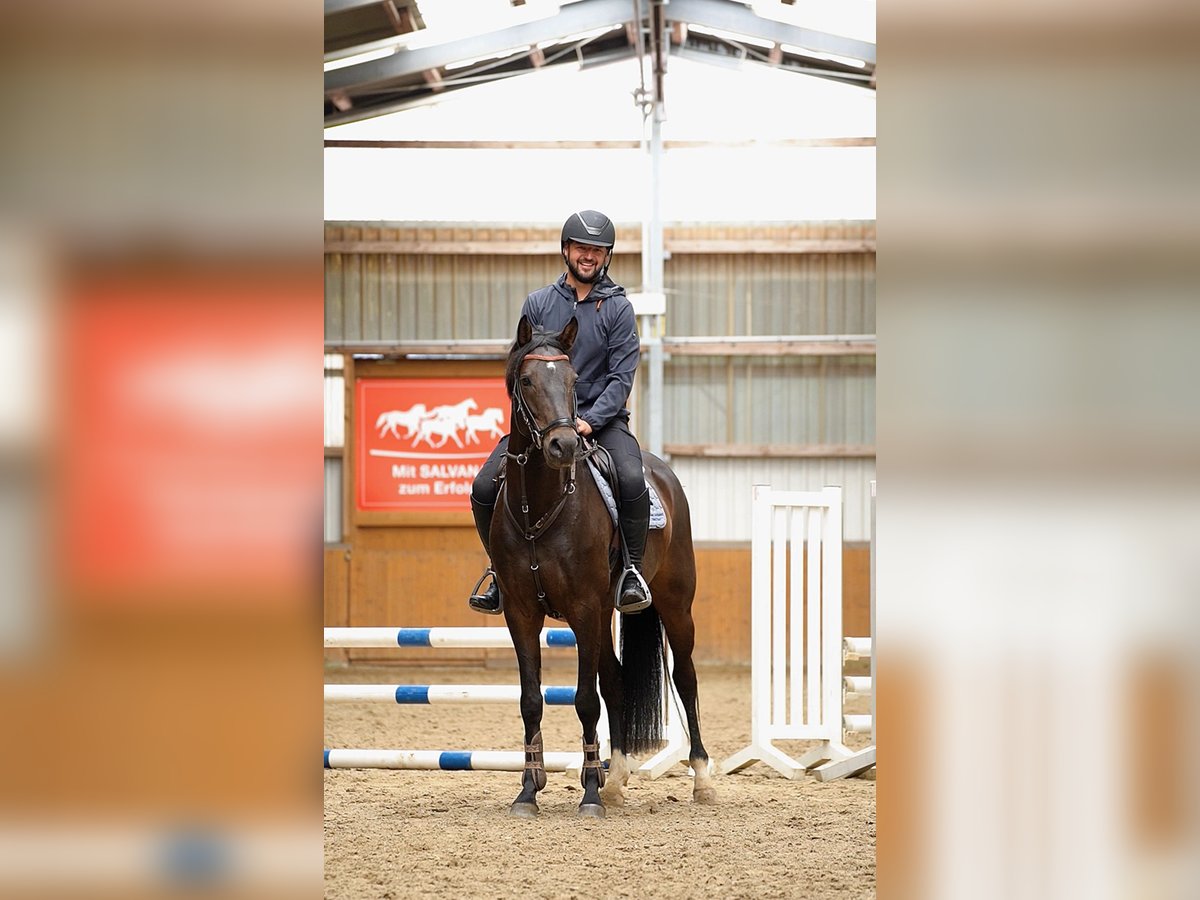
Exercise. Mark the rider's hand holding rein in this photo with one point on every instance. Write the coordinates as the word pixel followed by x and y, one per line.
pixel 582 426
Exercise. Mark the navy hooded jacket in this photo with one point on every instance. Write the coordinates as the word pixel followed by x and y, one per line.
pixel 607 350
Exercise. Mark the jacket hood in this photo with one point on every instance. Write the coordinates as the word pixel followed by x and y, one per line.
pixel 601 290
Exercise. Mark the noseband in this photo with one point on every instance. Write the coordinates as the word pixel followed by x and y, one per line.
pixel 537 435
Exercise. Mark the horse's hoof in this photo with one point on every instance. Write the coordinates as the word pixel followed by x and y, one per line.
pixel 591 811
pixel 612 798
pixel 707 796
pixel 524 810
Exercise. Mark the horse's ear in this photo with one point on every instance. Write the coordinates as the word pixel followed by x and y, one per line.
pixel 568 335
pixel 524 331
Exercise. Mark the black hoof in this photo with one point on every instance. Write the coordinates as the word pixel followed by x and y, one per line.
pixel 591 811
pixel 524 810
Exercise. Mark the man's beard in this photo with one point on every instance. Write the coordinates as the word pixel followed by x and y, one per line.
pixel 580 278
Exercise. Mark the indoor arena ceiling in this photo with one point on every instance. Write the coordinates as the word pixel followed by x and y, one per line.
pixel 381 57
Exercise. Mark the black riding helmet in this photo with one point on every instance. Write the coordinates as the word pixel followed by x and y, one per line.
pixel 590 227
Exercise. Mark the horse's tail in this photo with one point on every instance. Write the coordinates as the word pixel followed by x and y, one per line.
pixel 642 680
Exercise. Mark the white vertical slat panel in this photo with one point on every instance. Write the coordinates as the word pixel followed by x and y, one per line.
pixel 831 626
pixel 779 613
pixel 760 622
pixel 812 659
pixel 796 620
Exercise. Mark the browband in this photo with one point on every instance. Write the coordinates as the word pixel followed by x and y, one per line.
pixel 545 358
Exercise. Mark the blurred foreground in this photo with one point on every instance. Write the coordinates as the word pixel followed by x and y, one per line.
pixel 1039 451
pixel 160 293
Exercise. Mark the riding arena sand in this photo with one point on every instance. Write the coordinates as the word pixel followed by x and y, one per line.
pixel 414 834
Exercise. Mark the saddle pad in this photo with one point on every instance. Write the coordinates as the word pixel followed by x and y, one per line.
pixel 658 518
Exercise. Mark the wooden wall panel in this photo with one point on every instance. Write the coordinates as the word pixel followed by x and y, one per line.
pixel 337 594
pixel 856 590
pixel 721 609
pixel 416 577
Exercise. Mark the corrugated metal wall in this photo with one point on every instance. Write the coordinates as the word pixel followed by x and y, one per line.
pixel 333 500
pixel 783 400
pixel 772 293
pixel 427 296
pixel 780 400
pixel 719 491
pixel 786 400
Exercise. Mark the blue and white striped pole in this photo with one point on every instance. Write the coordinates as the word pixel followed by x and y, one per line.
pixel 443 693
pixel 447 760
pixel 479 638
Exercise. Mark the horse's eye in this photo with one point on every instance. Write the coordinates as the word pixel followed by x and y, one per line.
pixel 526 381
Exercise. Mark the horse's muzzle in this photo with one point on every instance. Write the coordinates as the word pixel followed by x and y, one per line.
pixel 560 448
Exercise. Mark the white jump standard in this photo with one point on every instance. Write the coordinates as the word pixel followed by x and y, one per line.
pixel 864 759
pixel 801 700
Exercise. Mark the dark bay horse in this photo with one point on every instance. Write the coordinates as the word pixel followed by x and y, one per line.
pixel 553 553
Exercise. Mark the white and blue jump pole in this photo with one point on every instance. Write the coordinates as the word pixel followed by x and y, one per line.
pixel 435 694
pixel 675 751
pixel 448 760
pixel 477 638
pixel 406 694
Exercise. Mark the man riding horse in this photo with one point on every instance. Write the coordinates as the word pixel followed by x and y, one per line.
pixel 605 357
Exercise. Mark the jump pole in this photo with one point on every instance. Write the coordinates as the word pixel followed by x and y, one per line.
pixel 447 760
pixel 477 638
pixel 436 694
pixel 675 751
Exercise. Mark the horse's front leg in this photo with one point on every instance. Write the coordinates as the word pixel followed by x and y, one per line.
pixel 587 706
pixel 526 635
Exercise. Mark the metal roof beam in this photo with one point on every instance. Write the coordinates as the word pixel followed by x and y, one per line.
pixel 333 7
pixel 577 17
pixel 737 18
pixel 453 84
pixel 856 79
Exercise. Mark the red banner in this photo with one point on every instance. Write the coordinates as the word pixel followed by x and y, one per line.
pixel 421 441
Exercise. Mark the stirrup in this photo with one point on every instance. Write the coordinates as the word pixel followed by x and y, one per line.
pixel 638 605
pixel 481 601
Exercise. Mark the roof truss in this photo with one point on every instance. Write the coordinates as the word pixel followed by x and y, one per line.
pixel 408 77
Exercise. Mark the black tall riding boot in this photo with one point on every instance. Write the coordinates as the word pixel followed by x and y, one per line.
pixel 487 601
pixel 634 595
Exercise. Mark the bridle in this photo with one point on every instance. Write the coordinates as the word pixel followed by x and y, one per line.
pixel 537 435
pixel 531 531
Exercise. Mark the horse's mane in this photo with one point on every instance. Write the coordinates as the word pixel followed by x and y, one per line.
pixel 517 353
